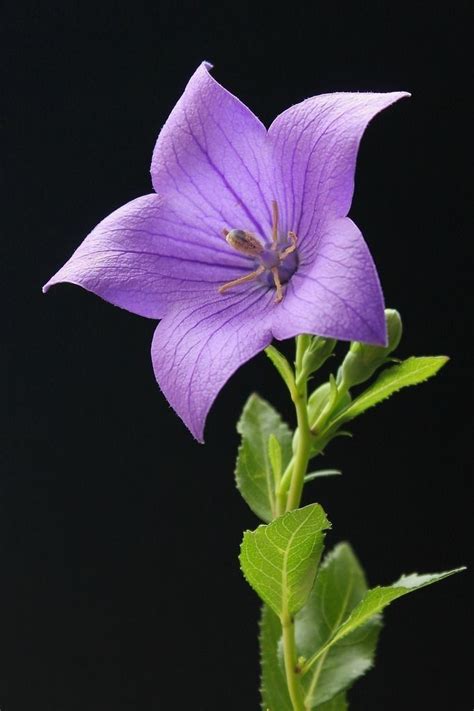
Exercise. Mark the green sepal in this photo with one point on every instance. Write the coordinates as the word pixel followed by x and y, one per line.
pixel 409 372
pixel 316 354
pixel 254 472
pixel 280 560
pixel 340 586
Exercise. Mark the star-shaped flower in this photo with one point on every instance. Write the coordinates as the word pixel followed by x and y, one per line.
pixel 246 238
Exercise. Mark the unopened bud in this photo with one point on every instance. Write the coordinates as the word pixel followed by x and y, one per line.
pixel 362 360
pixel 320 399
pixel 317 353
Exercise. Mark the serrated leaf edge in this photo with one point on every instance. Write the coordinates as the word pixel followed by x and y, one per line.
pixel 395 588
pixel 355 404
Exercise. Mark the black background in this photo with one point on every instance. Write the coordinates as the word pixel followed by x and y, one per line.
pixel 120 587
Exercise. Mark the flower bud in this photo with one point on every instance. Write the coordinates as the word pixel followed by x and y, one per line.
pixel 317 353
pixel 362 360
pixel 319 399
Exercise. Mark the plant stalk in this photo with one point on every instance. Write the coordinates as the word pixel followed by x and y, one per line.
pixel 295 690
pixel 301 458
pixel 296 470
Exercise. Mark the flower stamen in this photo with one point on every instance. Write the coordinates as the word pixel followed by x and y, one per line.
pixel 289 250
pixel 275 224
pixel 270 257
pixel 279 290
pixel 242 279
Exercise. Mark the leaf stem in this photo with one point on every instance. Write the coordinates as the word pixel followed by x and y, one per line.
pixel 290 658
pixel 280 502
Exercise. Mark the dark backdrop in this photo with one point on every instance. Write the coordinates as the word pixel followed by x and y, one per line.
pixel 119 535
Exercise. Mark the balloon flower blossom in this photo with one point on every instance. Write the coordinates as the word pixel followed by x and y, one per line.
pixel 245 239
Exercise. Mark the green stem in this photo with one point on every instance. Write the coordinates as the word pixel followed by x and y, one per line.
pixel 280 502
pixel 302 453
pixel 302 342
pixel 294 476
pixel 301 458
pixel 289 653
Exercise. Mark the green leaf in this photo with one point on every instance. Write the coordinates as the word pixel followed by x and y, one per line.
pixel 253 473
pixel 410 372
pixel 339 587
pixel 322 473
pixel 338 703
pixel 280 560
pixel 273 688
pixel 374 602
pixel 274 454
pixel 282 365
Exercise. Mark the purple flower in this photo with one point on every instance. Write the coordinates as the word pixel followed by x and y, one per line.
pixel 246 238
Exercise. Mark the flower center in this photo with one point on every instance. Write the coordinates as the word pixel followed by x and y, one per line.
pixel 286 266
pixel 275 264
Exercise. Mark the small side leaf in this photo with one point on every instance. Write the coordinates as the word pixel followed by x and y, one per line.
pixel 339 588
pixel 374 602
pixel 274 454
pixel 280 560
pixel 253 472
pixel 410 372
pixel 273 688
pixel 282 365
pixel 322 473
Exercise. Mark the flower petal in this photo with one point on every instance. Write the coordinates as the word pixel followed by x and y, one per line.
pixel 147 256
pixel 316 143
pixel 197 348
pixel 213 154
pixel 339 295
